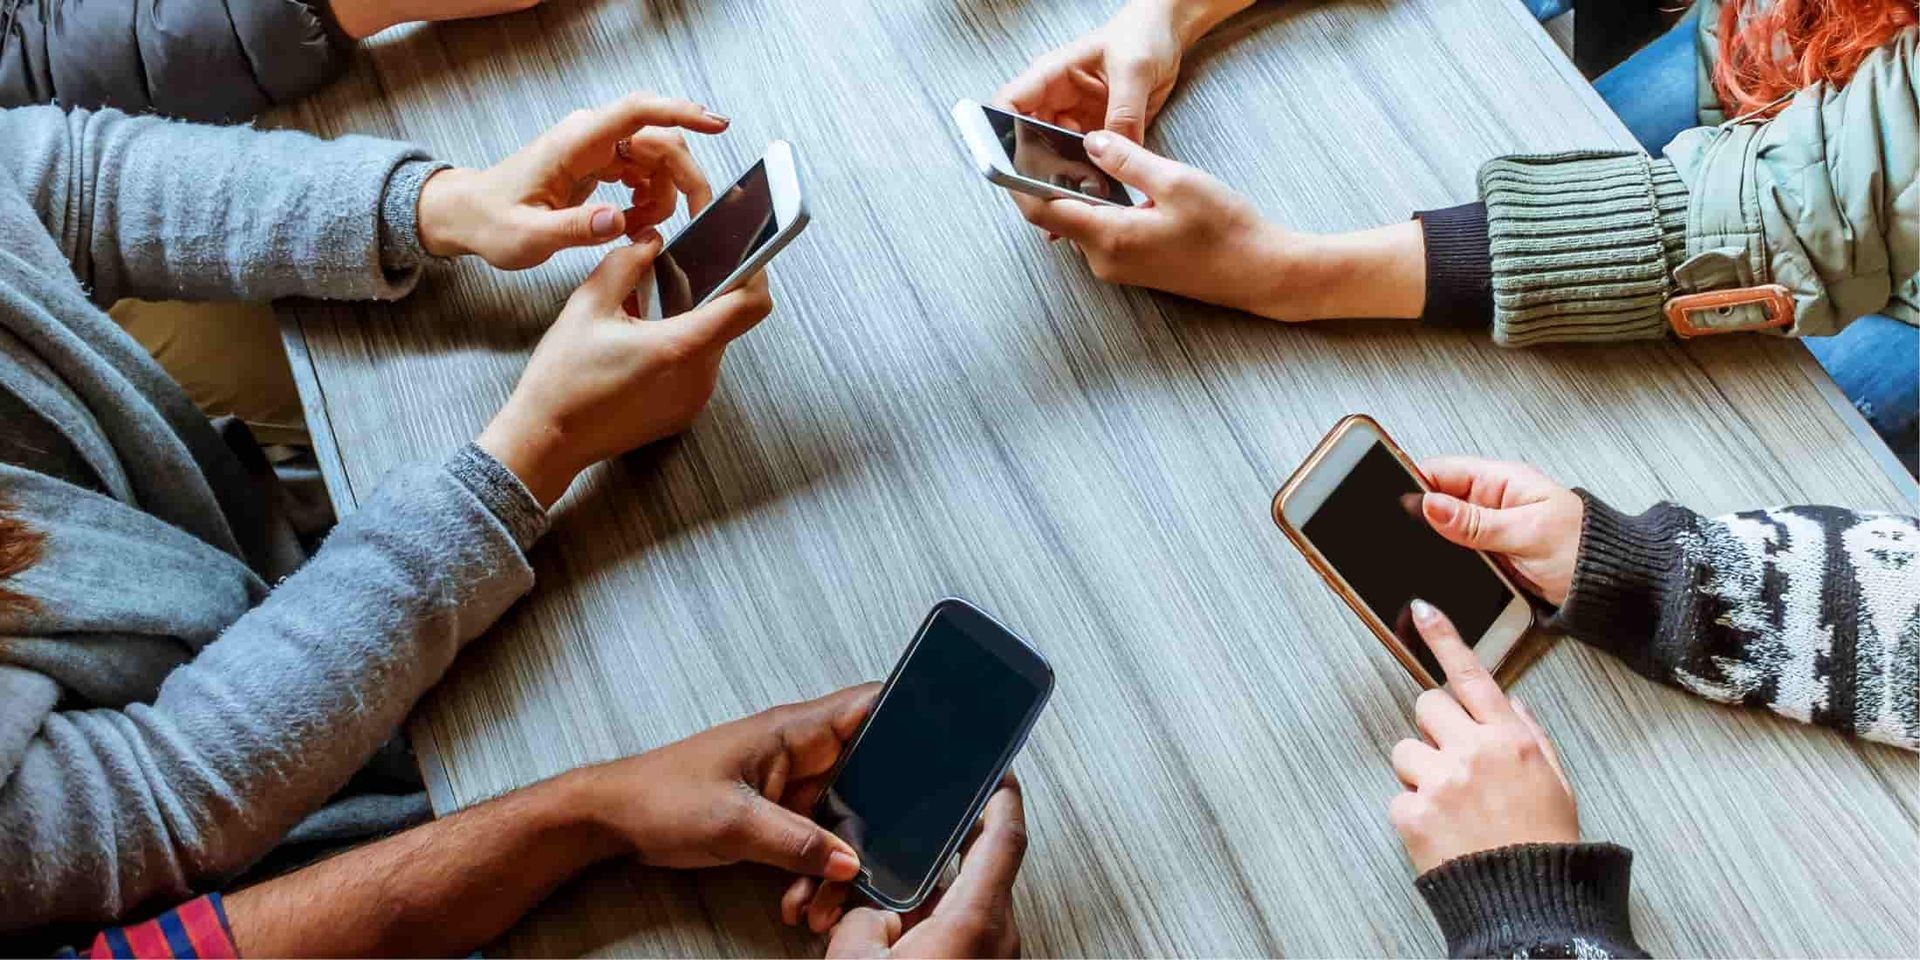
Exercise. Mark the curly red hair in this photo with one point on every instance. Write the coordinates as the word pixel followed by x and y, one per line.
pixel 1771 48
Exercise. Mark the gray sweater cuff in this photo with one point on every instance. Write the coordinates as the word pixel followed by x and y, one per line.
pixel 1583 245
pixel 400 246
pixel 1534 899
pixel 501 492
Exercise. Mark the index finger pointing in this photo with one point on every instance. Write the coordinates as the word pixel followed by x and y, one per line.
pixel 627 115
pixel 1468 678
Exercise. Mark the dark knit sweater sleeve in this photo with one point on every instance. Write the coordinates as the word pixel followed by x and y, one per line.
pixel 1534 900
pixel 1812 612
pixel 1459 267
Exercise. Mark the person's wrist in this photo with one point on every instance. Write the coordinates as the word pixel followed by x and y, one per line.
pixel 535 449
pixel 1377 273
pixel 451 212
pixel 1193 19
pixel 360 19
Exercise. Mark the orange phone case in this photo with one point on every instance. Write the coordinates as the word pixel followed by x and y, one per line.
pixel 1339 584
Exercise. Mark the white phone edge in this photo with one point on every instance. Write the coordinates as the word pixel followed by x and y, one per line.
pixel 1319 482
pixel 790 216
pixel 993 163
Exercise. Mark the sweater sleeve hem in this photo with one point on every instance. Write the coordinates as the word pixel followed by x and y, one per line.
pixel 1459 267
pixel 1621 577
pixel 1566 899
pixel 401 250
pixel 501 492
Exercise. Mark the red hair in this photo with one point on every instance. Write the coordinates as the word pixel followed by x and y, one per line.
pixel 20 547
pixel 1771 48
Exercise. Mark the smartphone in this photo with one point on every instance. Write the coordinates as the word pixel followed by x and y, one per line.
pixel 1040 159
pixel 732 239
pixel 952 715
pixel 1354 509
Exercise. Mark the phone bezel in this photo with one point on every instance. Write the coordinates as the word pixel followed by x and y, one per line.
pixel 1307 490
pixel 790 217
pixel 1018 654
pixel 991 159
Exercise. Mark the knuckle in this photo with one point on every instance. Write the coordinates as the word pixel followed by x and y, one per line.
pixel 1429 701
pixel 805 846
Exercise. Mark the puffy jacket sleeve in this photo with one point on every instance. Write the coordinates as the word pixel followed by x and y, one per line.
pixel 212 60
pixel 1821 199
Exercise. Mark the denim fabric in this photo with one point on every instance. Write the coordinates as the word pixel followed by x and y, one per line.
pixel 1876 362
pixel 1544 10
pixel 1655 91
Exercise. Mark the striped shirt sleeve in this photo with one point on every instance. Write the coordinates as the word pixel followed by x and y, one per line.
pixel 195 929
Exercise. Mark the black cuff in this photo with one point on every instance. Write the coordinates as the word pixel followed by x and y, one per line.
pixel 1459 267
pixel 1621 578
pixel 1534 899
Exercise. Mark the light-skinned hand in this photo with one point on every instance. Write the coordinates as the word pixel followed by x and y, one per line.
pixel 738 792
pixel 524 209
pixel 603 381
pixel 360 19
pixel 1486 776
pixel 971 918
pixel 1511 510
pixel 1117 77
pixel 1198 238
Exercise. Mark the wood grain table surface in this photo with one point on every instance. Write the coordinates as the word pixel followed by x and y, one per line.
pixel 942 404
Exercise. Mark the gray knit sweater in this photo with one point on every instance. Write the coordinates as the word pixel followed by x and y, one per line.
pixel 165 715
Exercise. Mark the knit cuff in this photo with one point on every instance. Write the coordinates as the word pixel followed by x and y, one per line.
pixel 501 493
pixel 1621 577
pixel 400 246
pixel 1583 245
pixel 1551 899
pixel 1459 267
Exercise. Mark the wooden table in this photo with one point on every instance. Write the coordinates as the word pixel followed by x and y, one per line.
pixel 943 404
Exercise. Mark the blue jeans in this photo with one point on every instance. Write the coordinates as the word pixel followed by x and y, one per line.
pixel 1876 359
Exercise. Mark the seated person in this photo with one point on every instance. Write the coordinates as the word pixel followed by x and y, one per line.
pixel 180 686
pixel 737 792
pixel 1738 609
pixel 1576 246
pixel 213 62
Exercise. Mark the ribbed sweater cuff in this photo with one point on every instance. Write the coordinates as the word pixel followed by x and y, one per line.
pixel 501 492
pixel 1534 898
pixel 1621 578
pixel 400 246
pixel 1583 245
pixel 1459 267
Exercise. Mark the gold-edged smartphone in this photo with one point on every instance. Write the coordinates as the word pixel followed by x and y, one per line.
pixel 1354 509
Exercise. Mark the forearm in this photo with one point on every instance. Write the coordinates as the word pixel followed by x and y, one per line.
pixel 442 889
pixel 1379 273
pixel 1194 19
pixel 1807 610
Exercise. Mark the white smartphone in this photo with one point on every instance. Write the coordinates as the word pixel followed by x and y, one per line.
pixel 1035 158
pixel 1354 509
pixel 737 235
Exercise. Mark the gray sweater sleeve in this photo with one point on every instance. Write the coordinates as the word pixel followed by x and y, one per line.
pixel 165 210
pixel 1811 612
pixel 149 803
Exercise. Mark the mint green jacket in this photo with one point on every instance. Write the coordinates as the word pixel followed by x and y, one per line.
pixel 1822 200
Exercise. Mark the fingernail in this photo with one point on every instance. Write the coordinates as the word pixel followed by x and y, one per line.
pixel 719 118
pixel 842 865
pixel 606 222
pixel 1444 508
pixel 1098 142
pixel 1423 611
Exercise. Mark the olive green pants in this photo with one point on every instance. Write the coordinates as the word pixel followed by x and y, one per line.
pixel 229 358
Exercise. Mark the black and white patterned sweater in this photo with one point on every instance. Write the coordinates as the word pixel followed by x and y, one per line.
pixel 1811 612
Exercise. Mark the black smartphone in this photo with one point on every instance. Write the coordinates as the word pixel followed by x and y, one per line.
pixel 948 723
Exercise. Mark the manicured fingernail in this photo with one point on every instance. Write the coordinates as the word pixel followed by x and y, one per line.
pixel 606 222
pixel 1423 611
pixel 719 118
pixel 1443 508
pixel 1098 142
pixel 842 866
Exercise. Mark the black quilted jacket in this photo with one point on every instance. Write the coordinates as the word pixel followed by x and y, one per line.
pixel 211 60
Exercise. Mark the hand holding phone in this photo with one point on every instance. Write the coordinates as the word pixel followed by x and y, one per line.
pixel 1355 508
pixel 748 223
pixel 1510 510
pixel 1039 159
pixel 948 723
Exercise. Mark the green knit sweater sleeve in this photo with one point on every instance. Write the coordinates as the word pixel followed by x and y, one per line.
pixel 1583 245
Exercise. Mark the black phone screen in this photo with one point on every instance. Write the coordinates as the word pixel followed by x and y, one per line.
pixel 1053 157
pixel 727 235
pixel 1371 530
pixel 956 708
